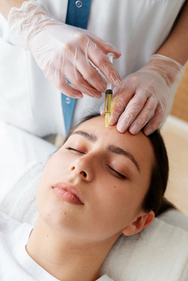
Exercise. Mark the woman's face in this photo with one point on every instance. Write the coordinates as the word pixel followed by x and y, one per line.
pixel 94 186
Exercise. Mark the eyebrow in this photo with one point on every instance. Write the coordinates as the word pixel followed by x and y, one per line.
pixel 111 148
pixel 88 136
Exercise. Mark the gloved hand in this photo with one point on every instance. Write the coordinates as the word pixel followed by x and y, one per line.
pixel 63 52
pixel 143 97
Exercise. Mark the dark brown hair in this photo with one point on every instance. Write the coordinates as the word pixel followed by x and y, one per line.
pixel 154 198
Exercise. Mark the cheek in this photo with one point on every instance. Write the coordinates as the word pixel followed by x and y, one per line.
pixel 55 167
pixel 51 175
pixel 115 191
pixel 118 201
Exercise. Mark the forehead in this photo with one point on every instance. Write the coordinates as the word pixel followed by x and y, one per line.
pixel 139 145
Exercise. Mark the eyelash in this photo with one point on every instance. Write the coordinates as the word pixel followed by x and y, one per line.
pixel 76 150
pixel 117 173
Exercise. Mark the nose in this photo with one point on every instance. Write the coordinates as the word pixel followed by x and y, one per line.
pixel 83 168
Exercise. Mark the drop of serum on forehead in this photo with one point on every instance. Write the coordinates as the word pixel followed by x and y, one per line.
pixel 106 131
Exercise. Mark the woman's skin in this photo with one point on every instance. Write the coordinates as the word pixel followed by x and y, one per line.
pixel 90 193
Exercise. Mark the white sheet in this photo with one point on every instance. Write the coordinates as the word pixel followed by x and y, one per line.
pixel 158 253
pixel 18 150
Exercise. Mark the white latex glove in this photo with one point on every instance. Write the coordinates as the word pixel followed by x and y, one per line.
pixel 143 97
pixel 62 51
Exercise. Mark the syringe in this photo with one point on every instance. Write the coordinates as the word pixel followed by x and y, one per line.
pixel 108 96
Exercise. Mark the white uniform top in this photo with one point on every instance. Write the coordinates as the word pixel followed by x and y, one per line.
pixel 15 263
pixel 31 102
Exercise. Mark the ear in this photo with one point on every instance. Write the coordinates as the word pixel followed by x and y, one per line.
pixel 140 223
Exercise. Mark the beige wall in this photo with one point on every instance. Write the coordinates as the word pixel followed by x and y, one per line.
pixel 180 105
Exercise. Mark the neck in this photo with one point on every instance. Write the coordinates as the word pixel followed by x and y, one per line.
pixel 65 258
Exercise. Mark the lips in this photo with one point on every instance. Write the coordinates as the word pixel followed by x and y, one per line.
pixel 69 193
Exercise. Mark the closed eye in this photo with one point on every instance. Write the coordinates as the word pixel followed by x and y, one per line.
pixel 75 150
pixel 116 173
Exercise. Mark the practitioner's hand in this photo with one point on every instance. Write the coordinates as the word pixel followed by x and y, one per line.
pixel 63 52
pixel 143 97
